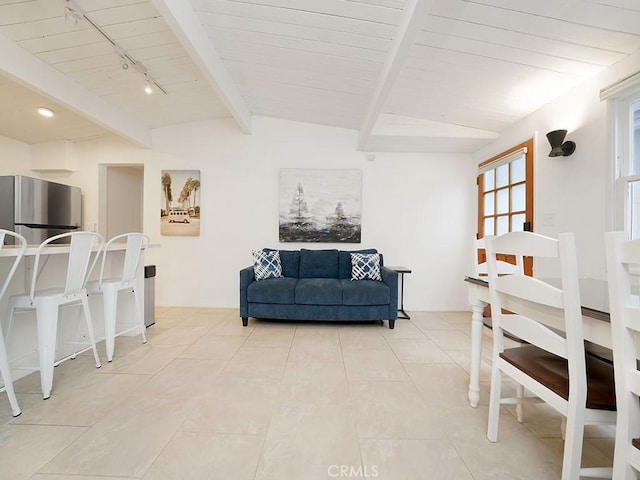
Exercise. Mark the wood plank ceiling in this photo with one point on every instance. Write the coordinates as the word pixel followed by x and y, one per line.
pixel 409 75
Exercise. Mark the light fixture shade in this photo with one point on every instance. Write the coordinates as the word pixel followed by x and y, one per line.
pixel 560 148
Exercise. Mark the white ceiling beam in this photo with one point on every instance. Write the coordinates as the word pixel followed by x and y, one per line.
pixel 31 72
pixel 412 19
pixel 184 23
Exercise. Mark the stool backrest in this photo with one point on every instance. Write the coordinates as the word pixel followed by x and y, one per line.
pixel 20 245
pixel 136 245
pixel 81 247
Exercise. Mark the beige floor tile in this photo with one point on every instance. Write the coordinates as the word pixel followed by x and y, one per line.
pixel 396 459
pixel 147 359
pixel 418 350
pixel 24 449
pixel 232 327
pixel 86 404
pixel 53 476
pixel 403 329
pixel 27 401
pixel 362 336
pixel 433 324
pixel 271 336
pixel 126 441
pixel 183 377
pixel 373 365
pixel 214 347
pixel 180 334
pixel 242 406
pixel 305 440
pixel 440 384
pixel 451 340
pixel 316 383
pixel 197 455
pixel 394 410
pixel 257 362
pixel 321 346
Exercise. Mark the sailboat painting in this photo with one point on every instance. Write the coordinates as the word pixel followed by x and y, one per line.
pixel 322 206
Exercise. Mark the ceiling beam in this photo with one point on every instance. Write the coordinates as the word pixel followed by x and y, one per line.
pixel 413 18
pixel 31 72
pixel 184 23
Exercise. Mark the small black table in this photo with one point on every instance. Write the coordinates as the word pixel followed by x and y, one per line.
pixel 401 271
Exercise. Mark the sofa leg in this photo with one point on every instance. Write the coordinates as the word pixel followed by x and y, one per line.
pixel 392 323
pixel 245 321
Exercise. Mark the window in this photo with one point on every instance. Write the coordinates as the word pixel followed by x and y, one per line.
pixel 505 192
pixel 624 105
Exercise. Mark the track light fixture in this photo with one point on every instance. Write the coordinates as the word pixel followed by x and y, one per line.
pixel 73 13
pixel 558 148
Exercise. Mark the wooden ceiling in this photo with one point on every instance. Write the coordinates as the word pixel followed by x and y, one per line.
pixel 408 75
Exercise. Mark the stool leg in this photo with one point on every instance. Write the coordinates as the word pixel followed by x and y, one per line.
pixel 7 378
pixel 110 299
pixel 92 338
pixel 139 301
pixel 47 321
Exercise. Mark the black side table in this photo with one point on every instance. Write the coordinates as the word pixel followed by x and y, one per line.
pixel 401 271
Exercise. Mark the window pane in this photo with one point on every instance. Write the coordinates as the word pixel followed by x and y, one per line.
pixel 488 226
pixel 635 136
pixel 503 200
pixel 517 170
pixel 634 209
pixel 517 222
pixel 518 198
pixel 489 183
pixel 502 174
pixel 502 225
pixel 489 207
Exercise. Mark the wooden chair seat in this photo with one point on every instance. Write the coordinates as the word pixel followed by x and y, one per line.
pixel 553 372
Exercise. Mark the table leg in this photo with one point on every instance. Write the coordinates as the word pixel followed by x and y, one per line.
pixel 401 309
pixel 476 353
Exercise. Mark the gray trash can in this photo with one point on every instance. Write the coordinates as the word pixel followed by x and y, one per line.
pixel 149 295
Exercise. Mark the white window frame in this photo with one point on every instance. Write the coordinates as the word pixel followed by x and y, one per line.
pixel 621 96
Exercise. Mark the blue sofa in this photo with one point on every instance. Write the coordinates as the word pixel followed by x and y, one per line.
pixel 317 285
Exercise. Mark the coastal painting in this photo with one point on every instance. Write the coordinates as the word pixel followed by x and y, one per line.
pixel 321 206
pixel 180 202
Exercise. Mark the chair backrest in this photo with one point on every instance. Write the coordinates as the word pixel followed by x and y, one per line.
pixel 623 275
pixel 136 245
pixel 504 268
pixel 535 309
pixel 81 247
pixel 20 245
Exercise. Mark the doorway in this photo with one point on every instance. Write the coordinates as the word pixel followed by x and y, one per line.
pixel 121 199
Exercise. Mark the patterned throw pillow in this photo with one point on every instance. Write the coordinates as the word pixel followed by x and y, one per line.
pixel 365 266
pixel 266 264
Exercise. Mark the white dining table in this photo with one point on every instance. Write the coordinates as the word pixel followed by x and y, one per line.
pixel 595 316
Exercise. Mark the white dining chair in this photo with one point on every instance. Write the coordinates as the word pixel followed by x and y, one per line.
pixel 554 366
pixel 623 274
pixel 47 302
pixel 20 246
pixel 136 244
pixel 504 268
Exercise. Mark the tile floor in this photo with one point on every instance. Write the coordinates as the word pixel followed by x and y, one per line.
pixel 206 398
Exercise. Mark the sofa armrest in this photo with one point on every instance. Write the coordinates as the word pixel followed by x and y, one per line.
pixel 246 277
pixel 390 277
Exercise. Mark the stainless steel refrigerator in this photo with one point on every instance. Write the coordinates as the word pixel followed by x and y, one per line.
pixel 38 209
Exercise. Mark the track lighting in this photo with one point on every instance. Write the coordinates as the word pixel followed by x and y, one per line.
pixel 73 13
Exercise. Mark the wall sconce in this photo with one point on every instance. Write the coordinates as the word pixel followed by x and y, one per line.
pixel 558 148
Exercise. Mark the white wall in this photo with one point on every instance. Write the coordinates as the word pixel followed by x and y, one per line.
pixel 575 190
pixel 416 207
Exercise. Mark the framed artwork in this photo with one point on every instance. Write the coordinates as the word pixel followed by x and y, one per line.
pixel 180 207
pixel 318 205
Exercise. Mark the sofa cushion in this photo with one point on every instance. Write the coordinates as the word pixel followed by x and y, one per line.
pixel 344 261
pixel 365 266
pixel 318 263
pixel 266 264
pixel 290 261
pixel 318 291
pixel 273 290
pixel 365 292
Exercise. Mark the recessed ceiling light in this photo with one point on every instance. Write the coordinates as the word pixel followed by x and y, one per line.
pixel 45 112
